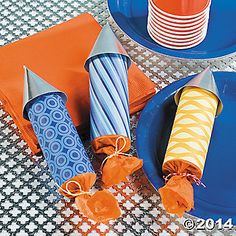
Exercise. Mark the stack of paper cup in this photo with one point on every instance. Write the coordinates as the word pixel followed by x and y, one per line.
pixel 178 24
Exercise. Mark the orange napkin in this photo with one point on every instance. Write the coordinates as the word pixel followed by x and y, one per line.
pixel 58 54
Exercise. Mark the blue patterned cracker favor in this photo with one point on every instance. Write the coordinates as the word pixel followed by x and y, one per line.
pixel 63 150
pixel 58 138
pixel 108 65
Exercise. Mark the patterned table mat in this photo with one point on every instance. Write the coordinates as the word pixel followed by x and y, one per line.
pixel 29 202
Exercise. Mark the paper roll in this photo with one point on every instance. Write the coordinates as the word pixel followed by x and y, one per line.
pixel 58 138
pixel 109 104
pixel 187 148
pixel 63 150
pixel 108 65
pixel 192 128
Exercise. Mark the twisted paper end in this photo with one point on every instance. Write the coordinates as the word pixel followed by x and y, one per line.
pixel 100 206
pixel 190 177
pixel 117 165
pixel 78 185
pixel 177 195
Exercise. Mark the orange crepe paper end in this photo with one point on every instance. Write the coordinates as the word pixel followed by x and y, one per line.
pixel 107 144
pixel 177 195
pixel 86 181
pixel 117 167
pixel 181 166
pixel 100 207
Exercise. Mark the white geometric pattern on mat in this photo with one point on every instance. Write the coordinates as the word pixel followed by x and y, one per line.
pixel 29 202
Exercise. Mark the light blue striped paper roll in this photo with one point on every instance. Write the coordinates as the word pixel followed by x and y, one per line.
pixel 109 101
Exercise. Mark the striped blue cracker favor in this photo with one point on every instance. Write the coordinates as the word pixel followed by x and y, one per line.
pixel 108 66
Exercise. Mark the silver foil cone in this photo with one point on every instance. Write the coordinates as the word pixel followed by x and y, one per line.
pixel 34 87
pixel 204 80
pixel 107 43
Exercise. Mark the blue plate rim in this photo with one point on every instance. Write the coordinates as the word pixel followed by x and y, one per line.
pixel 158 181
pixel 220 54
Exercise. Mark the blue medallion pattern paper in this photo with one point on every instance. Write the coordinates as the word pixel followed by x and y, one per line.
pixel 58 138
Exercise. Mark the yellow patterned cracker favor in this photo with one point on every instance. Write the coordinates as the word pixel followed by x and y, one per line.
pixel 198 103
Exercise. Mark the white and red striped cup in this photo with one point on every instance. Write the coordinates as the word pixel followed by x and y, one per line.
pixel 178 24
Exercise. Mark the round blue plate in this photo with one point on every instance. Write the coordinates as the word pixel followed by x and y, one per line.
pixel 218 199
pixel 131 17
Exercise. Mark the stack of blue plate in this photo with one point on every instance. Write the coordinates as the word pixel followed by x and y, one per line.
pixel 131 17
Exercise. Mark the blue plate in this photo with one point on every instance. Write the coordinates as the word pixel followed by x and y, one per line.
pixel 131 17
pixel 218 199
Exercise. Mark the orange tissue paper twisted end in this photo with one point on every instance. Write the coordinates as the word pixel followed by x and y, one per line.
pixel 177 195
pixel 100 206
pixel 117 165
pixel 84 183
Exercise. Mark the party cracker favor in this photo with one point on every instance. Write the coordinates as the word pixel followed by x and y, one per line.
pixel 108 64
pixel 63 150
pixel 198 104
pixel 63 67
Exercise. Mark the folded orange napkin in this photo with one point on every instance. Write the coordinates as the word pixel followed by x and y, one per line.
pixel 58 54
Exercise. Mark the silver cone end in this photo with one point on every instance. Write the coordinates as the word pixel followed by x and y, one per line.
pixel 34 87
pixel 204 80
pixel 107 43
